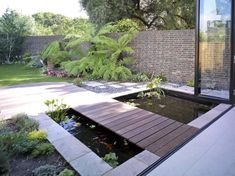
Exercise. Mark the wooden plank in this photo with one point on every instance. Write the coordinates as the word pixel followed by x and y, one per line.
pixel 99 107
pixel 151 131
pixel 156 136
pixel 176 142
pixel 138 118
pixel 107 119
pixel 166 139
pixel 88 107
pixel 136 125
pixel 114 107
pixel 128 118
pixel 143 128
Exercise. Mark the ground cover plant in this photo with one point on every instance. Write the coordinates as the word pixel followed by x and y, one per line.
pixel 24 149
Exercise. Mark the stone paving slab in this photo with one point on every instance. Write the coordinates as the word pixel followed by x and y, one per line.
pixel 209 116
pixel 90 165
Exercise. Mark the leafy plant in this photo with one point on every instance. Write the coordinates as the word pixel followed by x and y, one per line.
pixel 35 62
pixel 125 25
pixel 54 53
pixel 43 149
pixel 162 77
pixel 111 159
pixel 66 172
pixel 56 109
pixel 47 170
pixel 107 59
pixel 37 135
pixel 140 77
pixel 24 123
pixel 155 89
pixel 78 81
pixel 4 163
pixel 17 142
pixel 190 83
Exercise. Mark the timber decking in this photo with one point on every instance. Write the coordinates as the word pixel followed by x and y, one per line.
pixel 147 130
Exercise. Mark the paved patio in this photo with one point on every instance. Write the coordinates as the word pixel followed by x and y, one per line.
pixel 210 153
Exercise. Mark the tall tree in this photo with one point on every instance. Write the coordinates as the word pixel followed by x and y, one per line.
pixel 13 26
pixel 159 14
pixel 56 24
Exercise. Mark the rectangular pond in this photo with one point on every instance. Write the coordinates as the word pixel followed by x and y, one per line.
pixel 99 139
pixel 171 105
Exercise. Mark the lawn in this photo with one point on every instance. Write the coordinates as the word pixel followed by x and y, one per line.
pixel 21 74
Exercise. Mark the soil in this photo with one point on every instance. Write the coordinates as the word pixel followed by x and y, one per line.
pixel 23 165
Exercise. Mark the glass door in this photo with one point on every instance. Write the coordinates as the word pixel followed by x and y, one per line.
pixel 214 48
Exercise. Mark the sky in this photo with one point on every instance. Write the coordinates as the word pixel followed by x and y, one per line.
pixel 70 8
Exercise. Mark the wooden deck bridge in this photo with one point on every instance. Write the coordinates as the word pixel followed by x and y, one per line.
pixel 147 130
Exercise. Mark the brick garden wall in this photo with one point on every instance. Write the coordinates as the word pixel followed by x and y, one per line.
pixel 34 44
pixel 170 52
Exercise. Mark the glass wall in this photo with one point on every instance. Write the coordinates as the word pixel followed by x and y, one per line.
pixel 215 47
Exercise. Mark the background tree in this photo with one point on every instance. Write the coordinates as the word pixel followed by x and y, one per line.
pixel 48 23
pixel 158 14
pixel 13 26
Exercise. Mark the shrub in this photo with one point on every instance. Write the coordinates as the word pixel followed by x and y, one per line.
pixel 190 83
pixel 54 53
pixel 66 172
pixel 4 164
pixel 37 135
pixel 56 109
pixel 78 81
pixel 125 25
pixel 140 77
pixel 43 149
pixel 16 142
pixel 111 159
pixel 35 62
pixel 24 123
pixel 47 170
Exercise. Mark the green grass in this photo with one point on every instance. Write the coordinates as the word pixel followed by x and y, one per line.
pixel 21 74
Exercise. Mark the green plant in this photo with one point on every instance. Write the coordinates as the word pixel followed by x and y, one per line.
pixel 111 159
pixel 17 142
pixel 24 123
pixel 66 172
pixel 125 25
pixel 54 53
pixel 155 89
pixel 26 57
pixel 78 81
pixel 56 109
pixel 37 135
pixel 35 62
pixel 190 83
pixel 4 163
pixel 47 170
pixel 43 149
pixel 162 77
pixel 140 77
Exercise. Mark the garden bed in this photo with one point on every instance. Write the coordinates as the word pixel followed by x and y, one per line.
pixel 25 151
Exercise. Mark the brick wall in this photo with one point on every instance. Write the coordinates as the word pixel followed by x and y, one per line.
pixel 170 52
pixel 34 44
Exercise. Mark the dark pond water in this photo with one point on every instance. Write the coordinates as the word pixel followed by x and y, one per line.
pixel 178 109
pixel 99 139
